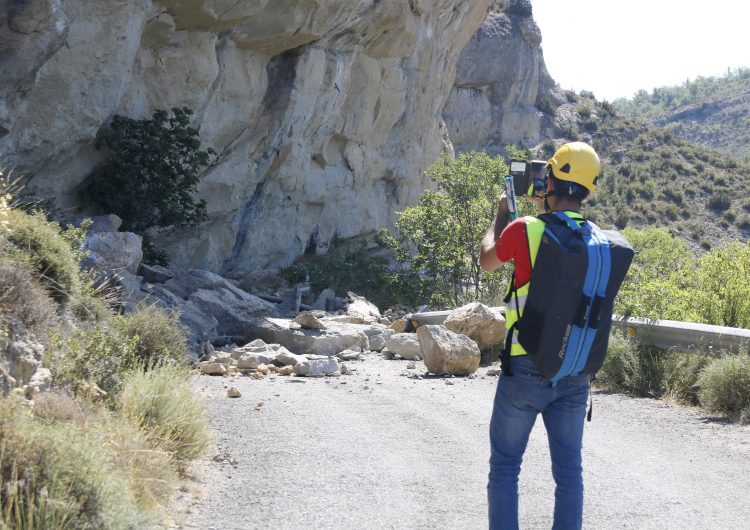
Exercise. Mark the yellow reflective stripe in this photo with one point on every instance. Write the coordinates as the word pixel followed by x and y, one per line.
pixel 534 231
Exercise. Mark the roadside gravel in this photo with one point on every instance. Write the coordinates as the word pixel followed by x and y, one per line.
pixel 377 449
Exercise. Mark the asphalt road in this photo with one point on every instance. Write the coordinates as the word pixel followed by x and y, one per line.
pixel 379 450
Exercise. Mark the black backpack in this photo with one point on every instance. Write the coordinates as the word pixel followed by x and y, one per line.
pixel 568 312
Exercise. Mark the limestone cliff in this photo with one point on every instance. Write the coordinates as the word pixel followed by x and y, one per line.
pixel 324 113
pixel 503 93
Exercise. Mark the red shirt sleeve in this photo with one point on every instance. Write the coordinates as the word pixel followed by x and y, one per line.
pixel 513 244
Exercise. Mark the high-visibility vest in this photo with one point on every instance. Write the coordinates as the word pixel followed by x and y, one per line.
pixel 516 299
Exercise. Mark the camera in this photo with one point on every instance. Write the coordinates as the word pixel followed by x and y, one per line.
pixel 528 177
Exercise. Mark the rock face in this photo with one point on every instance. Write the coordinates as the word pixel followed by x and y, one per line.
pixel 503 93
pixel 323 113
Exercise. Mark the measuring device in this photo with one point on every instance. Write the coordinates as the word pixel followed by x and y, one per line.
pixel 510 197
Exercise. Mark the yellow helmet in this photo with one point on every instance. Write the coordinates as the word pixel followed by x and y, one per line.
pixel 576 162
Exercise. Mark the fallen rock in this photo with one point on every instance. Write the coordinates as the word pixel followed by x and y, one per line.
pixel 447 353
pixel 360 307
pixel 113 252
pixel 399 326
pixel 210 368
pixel 306 341
pixel 234 312
pixel 155 273
pixel 233 392
pixel 317 367
pixel 405 345
pixel 308 320
pixel 479 323
pixel 323 297
pixel 105 223
pixel 285 370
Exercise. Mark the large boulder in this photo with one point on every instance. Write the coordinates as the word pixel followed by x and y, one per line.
pixel 234 315
pixel 110 252
pixel 448 353
pixel 479 323
pixel 361 308
pixel 317 367
pixel 331 341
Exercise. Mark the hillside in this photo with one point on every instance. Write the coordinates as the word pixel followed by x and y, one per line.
pixel 711 111
pixel 652 177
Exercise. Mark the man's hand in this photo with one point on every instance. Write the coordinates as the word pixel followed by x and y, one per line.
pixel 488 259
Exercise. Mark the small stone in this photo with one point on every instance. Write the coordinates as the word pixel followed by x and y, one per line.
pixel 233 393
pixel 285 370
pixel 263 369
pixel 411 366
pixel 449 382
pixel 493 371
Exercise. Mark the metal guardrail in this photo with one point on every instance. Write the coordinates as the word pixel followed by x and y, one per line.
pixel 660 333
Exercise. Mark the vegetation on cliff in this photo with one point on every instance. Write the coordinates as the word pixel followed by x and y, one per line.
pixel 104 446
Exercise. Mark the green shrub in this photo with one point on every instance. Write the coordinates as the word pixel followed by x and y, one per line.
pixel 438 238
pixel 59 475
pixel 723 286
pixel 357 269
pixel 94 360
pixel 633 369
pixel 157 334
pixel 725 386
pixel 682 372
pixel 720 201
pixel 44 246
pixel 162 404
pixel 152 171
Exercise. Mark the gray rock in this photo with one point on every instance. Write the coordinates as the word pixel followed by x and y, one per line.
pixel 448 353
pixel 322 300
pixel 155 273
pixel 105 223
pixel 360 307
pixel 308 342
pixel 234 315
pixel 109 252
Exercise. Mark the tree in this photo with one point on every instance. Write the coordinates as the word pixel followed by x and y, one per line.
pixel 439 238
pixel 151 173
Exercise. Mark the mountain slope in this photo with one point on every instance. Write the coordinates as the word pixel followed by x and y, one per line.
pixel 711 111
pixel 651 177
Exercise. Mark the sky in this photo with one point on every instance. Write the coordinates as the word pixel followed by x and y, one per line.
pixel 615 49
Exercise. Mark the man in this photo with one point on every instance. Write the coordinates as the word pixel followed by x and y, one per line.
pixel 523 392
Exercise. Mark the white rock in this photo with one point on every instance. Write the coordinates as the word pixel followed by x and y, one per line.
pixel 445 352
pixel 317 367
pixel 479 323
pixel 213 369
pixel 405 345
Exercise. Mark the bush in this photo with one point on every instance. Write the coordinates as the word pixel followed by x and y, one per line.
pixel 60 475
pixel 723 285
pixel 356 270
pixel 682 372
pixel 157 334
pixel 94 360
pixel 151 172
pixel 42 245
pixel 725 386
pixel 633 369
pixel 720 201
pixel 162 404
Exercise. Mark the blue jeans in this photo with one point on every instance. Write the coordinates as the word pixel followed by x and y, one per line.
pixel 518 400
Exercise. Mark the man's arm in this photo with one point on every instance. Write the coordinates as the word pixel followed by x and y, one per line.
pixel 488 259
